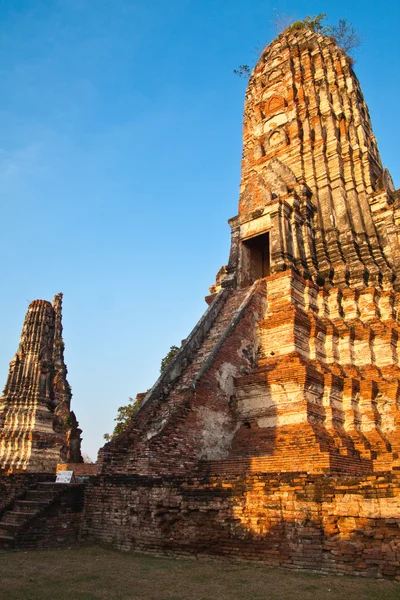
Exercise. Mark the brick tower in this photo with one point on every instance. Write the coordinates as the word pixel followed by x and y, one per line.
pixel 312 177
pixel 295 364
pixel 274 433
pixel 37 428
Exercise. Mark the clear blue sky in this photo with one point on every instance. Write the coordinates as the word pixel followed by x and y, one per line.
pixel 120 146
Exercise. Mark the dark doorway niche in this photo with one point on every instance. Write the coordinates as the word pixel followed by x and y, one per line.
pixel 259 256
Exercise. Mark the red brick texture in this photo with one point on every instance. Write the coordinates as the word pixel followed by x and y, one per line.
pixel 298 521
pixel 13 485
pixel 35 512
pixel 57 525
pixel 79 469
pixel 193 418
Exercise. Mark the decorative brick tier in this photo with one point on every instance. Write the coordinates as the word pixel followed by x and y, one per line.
pixel 37 426
pixel 300 379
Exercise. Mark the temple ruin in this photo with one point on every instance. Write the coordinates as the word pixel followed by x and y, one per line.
pixel 295 364
pixel 37 428
pixel 274 433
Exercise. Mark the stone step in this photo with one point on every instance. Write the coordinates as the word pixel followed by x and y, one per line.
pixel 24 510
pixel 34 494
pixel 30 505
pixel 14 516
pixel 9 528
pixel 218 328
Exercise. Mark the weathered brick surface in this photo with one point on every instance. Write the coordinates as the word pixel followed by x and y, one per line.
pixel 290 383
pixel 292 520
pixel 311 171
pixel 296 382
pixel 59 524
pixel 187 421
pixel 37 427
pixel 42 514
pixel 13 485
pixel 79 469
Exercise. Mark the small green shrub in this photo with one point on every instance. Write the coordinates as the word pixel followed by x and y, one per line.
pixel 125 413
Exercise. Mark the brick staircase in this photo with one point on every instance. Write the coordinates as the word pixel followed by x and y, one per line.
pixel 17 518
pixel 220 328
pixel 177 390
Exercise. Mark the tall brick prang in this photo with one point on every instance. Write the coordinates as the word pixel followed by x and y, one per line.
pixel 274 433
pixel 295 364
pixel 37 428
pixel 312 172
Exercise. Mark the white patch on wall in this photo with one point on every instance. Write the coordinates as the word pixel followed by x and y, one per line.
pixel 217 434
pixel 225 378
pixel 157 427
pixel 275 121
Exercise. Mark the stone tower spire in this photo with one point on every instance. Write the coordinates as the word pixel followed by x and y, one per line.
pixel 311 171
pixel 37 428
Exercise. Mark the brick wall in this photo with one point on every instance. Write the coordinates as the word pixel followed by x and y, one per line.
pixel 79 469
pixel 297 521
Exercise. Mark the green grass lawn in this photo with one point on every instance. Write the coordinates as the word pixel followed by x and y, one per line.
pixel 94 573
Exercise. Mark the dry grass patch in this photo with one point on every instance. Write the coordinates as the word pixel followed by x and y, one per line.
pixel 96 573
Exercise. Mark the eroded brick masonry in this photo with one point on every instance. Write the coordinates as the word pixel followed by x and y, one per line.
pixel 274 433
pixel 37 427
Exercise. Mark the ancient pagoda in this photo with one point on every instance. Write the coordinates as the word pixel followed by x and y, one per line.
pixel 274 433
pixel 37 428
pixel 295 364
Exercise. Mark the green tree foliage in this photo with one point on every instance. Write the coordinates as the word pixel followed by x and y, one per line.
pixel 125 413
pixel 314 23
pixel 346 37
pixel 344 34
pixel 242 71
pixel 172 352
